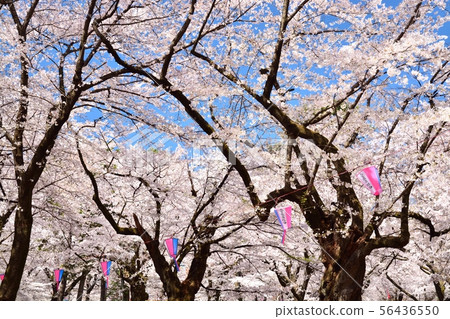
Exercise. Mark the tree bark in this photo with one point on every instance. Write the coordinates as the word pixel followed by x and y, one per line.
pixel 91 287
pixel 28 175
pixel 102 289
pixel 137 289
pixel 300 295
pixel 345 269
pixel 22 226
pixel 125 293
pixel 81 286
pixel 62 288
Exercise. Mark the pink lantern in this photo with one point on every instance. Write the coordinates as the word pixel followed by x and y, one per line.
pixel 172 247
pixel 284 217
pixel 2 276
pixel 58 277
pixel 370 179
pixel 106 267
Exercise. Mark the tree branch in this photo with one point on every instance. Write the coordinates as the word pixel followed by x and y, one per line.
pixel 201 207
pixel 167 58
pixel 198 118
pixel 400 288
pixel 410 21
pixel 273 70
pixel 377 219
pixel 297 10
pixel 99 203
pixel 424 220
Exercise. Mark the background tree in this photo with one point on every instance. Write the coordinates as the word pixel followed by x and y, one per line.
pixel 53 59
pixel 153 187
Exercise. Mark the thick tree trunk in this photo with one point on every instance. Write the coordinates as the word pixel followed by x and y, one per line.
pixel 176 290
pixel 343 277
pixel 182 295
pixel 137 289
pixel 22 233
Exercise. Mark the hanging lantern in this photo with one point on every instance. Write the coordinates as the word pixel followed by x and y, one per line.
pixel 370 179
pixel 58 277
pixel 106 267
pixel 284 217
pixel 172 247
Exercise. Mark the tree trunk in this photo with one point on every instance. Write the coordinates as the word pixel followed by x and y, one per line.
pixel 90 287
pixel 181 296
pixel 55 293
pixel 137 289
pixel 81 286
pixel 62 288
pixel 176 290
pixel 102 289
pixel 22 233
pixel 124 288
pixel 299 295
pixel 343 277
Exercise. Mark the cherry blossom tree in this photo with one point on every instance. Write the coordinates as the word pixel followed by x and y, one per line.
pixel 152 190
pixel 52 60
pixel 345 84
pixel 254 105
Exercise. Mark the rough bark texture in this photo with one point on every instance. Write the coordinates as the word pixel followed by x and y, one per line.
pixel 344 273
pixel 137 290
pixel 22 226
pixel 131 273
